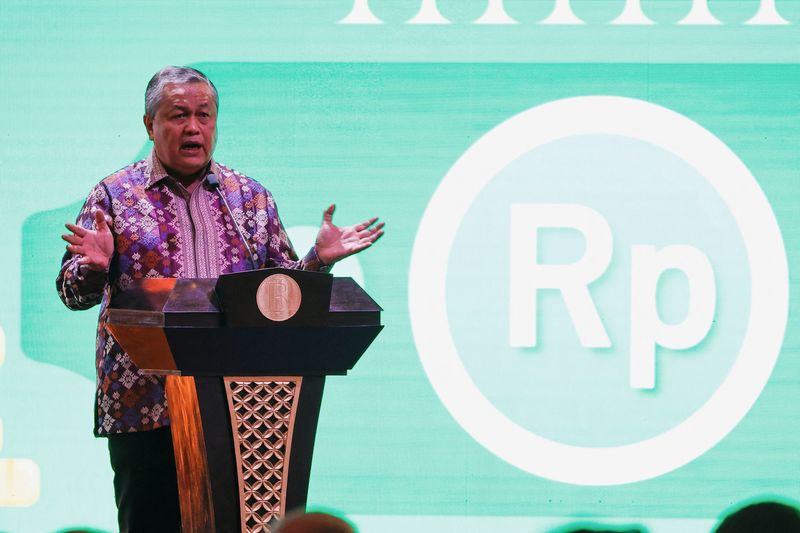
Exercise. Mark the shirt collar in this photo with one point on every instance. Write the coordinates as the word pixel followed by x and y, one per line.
pixel 154 171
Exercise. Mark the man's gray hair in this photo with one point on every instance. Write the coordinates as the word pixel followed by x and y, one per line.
pixel 152 96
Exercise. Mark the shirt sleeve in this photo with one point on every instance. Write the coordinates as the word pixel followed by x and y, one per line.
pixel 78 286
pixel 280 252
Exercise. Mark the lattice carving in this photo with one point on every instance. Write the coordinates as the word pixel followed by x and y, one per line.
pixel 262 428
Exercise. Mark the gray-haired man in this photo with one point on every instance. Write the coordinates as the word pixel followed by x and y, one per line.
pixel 162 217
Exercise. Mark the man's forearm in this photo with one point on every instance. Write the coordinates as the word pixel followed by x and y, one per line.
pixel 78 286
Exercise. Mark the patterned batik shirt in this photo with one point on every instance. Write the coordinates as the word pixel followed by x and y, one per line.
pixel 162 231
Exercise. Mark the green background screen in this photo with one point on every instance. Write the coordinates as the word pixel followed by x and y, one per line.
pixel 322 108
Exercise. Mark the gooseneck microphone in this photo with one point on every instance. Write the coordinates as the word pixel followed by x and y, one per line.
pixel 214 183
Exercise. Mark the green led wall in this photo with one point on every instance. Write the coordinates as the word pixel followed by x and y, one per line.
pixel 383 118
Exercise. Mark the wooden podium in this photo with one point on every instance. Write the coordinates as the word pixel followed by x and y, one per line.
pixel 245 358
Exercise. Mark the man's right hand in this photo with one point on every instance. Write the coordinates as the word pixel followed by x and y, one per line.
pixel 95 246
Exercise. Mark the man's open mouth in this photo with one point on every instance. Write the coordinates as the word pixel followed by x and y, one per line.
pixel 191 146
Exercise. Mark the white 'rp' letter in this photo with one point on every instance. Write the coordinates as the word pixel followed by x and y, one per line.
pixel 647 329
pixel 528 276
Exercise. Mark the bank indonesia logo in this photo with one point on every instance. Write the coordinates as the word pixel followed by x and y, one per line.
pixel 598 290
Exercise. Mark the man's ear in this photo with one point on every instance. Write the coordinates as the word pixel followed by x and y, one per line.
pixel 148 125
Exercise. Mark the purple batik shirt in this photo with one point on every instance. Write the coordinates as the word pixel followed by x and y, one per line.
pixel 162 231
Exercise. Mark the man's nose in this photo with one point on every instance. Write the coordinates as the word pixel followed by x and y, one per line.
pixel 192 125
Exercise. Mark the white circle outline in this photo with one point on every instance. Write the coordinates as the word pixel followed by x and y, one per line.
pixel 764 247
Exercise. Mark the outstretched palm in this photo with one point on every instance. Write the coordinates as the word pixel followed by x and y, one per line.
pixel 335 243
pixel 94 246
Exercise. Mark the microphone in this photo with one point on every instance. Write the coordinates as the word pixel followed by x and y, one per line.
pixel 213 182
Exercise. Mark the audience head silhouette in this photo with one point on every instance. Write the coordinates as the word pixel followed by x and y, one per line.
pixel 762 517
pixel 298 522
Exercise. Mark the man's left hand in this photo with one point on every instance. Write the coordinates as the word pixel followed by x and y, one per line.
pixel 335 243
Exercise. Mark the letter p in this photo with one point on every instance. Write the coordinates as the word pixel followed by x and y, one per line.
pixel 647 328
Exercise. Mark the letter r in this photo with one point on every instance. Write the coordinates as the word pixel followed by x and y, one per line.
pixel 527 276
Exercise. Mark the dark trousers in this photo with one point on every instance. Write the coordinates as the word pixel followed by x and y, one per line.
pixel 145 482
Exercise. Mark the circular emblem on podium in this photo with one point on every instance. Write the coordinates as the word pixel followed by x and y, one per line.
pixel 278 297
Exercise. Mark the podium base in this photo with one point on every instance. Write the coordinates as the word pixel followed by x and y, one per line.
pixel 266 424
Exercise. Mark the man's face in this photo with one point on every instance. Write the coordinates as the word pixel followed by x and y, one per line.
pixel 184 128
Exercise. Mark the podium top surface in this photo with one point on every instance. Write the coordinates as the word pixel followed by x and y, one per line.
pixel 193 302
pixel 179 326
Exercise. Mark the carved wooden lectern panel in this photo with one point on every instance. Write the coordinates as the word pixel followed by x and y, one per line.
pixel 263 414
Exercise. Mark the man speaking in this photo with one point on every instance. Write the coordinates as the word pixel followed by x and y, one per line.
pixel 166 216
